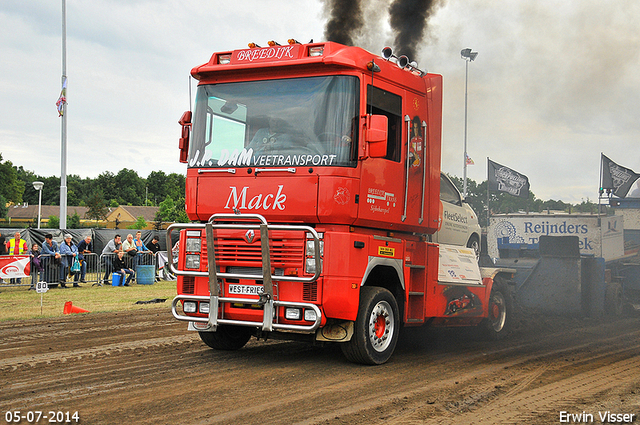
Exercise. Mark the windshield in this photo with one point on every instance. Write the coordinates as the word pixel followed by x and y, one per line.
pixel 280 123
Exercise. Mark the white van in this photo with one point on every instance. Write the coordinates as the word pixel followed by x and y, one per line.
pixel 459 222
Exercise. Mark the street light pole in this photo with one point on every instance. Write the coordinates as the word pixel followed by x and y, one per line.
pixel 38 186
pixel 468 56
pixel 63 143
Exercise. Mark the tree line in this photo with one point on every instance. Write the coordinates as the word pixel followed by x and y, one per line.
pixel 167 192
pixel 107 190
pixel 503 203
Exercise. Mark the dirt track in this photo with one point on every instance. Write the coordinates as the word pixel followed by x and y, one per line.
pixel 144 368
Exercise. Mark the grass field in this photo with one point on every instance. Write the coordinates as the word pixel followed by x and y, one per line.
pixel 20 303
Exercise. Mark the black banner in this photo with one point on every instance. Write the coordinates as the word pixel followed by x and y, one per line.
pixel 504 179
pixel 616 179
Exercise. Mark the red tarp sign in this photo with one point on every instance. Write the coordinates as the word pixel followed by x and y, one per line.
pixel 14 266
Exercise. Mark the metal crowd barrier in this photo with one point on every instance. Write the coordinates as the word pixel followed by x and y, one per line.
pixel 132 262
pixel 95 269
pixel 53 270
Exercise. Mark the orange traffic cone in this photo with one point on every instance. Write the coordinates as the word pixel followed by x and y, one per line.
pixel 69 308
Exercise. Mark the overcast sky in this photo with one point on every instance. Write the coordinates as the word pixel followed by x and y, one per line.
pixel 555 83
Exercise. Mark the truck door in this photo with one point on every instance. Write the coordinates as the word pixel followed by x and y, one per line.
pixel 383 180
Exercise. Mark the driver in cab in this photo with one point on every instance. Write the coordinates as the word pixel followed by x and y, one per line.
pixel 273 139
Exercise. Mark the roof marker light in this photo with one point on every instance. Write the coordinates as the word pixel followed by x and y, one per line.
pixel 253 45
pixel 273 43
pixel 372 66
pixel 316 51
pixel 293 41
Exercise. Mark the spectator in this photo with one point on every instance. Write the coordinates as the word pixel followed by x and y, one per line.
pixel 154 246
pixel 17 246
pixel 112 247
pixel 141 247
pixel 129 246
pixel 52 257
pixel 161 258
pixel 119 267
pixel 84 247
pixel 36 266
pixel 69 252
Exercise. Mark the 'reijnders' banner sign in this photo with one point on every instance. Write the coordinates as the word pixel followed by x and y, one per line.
pixel 615 178
pixel 504 179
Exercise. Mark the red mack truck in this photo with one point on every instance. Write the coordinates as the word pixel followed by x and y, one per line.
pixel 313 184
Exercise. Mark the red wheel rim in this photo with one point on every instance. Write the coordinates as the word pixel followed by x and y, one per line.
pixel 380 326
pixel 495 311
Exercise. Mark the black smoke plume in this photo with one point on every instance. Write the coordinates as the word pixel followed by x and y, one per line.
pixel 408 19
pixel 345 21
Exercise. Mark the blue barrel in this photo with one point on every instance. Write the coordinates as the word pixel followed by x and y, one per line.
pixel 116 279
pixel 146 274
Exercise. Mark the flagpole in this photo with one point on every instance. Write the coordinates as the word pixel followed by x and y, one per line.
pixel 488 210
pixel 601 189
pixel 63 153
pixel 464 169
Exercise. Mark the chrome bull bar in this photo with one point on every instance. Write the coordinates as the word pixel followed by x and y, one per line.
pixel 218 321
pixel 246 222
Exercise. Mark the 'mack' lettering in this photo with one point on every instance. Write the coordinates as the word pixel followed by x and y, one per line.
pixel 256 202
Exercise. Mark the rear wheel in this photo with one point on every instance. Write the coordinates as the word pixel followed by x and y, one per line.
pixel 227 337
pixel 376 329
pixel 498 323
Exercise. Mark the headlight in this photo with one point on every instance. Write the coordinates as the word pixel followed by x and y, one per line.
pixel 310 315
pixel 310 266
pixel 189 306
pixel 204 308
pixel 310 251
pixel 192 261
pixel 193 245
pixel 291 313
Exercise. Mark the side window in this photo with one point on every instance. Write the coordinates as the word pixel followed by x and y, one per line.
pixel 381 102
pixel 448 192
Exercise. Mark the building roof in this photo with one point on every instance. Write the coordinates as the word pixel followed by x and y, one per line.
pixel 30 212
pixel 132 212
pixel 128 212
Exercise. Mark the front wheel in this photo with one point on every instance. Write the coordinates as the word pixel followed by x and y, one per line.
pixel 227 338
pixel 376 329
pixel 498 323
pixel 474 244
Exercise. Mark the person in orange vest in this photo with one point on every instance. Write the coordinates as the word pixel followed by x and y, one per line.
pixel 16 246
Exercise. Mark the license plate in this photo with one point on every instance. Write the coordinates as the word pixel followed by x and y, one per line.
pixel 246 289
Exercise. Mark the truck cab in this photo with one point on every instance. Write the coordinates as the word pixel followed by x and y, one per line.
pixel 313 183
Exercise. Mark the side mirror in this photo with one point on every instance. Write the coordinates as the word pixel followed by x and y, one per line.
pixel 376 135
pixel 183 144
